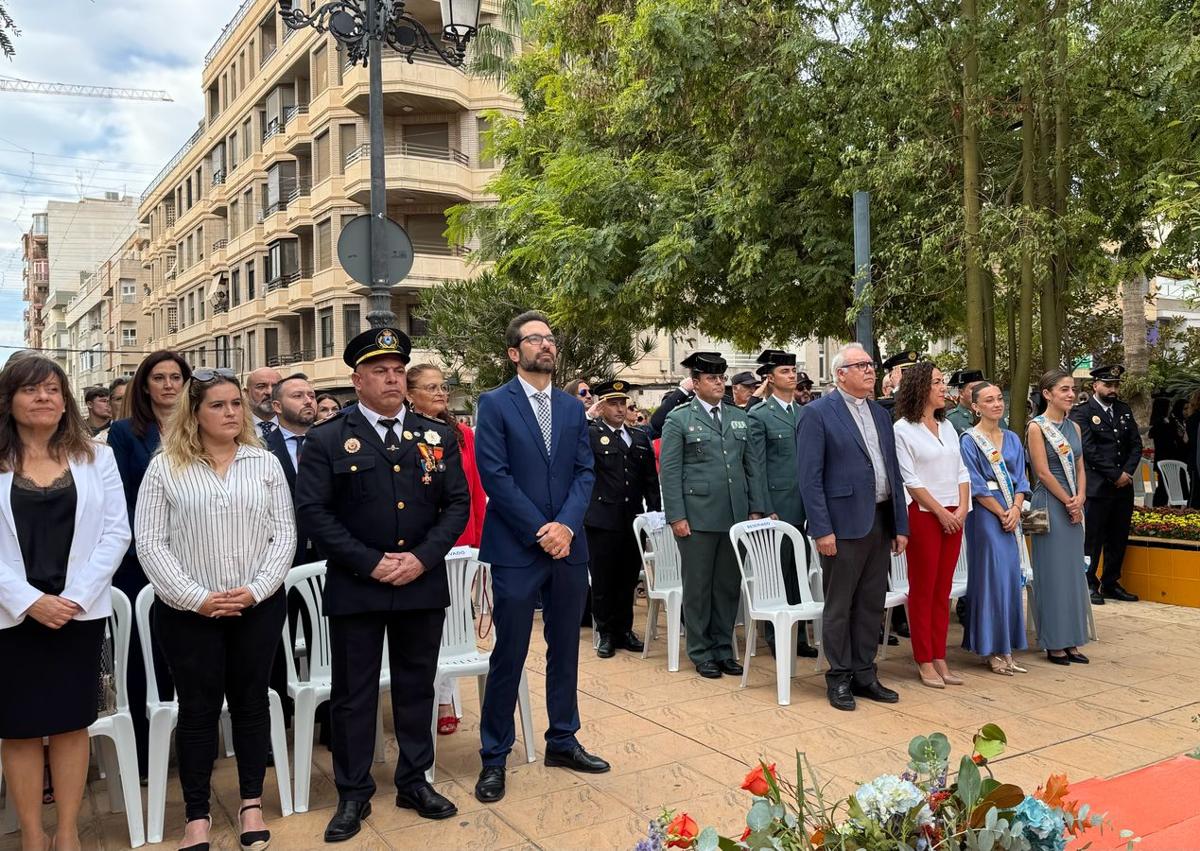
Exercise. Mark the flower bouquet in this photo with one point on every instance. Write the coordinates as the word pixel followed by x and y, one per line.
pixel 917 810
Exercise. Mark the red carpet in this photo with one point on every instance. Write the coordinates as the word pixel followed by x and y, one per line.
pixel 1160 803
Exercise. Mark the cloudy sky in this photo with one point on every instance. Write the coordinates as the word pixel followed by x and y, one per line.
pixel 63 147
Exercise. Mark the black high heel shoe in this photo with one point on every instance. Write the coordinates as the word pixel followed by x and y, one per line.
pixel 1058 660
pixel 1075 656
pixel 253 840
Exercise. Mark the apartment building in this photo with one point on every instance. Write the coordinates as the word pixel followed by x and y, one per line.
pixel 107 331
pixel 243 222
pixel 62 249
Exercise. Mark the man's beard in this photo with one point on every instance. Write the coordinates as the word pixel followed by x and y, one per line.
pixel 532 365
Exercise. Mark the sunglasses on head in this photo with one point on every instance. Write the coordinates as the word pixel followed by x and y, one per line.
pixel 204 376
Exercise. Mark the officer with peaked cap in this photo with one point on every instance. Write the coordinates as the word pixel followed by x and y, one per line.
pixel 711 478
pixel 382 493
pixel 962 416
pixel 626 485
pixel 893 372
pixel 1112 451
pixel 773 428
pixel 804 386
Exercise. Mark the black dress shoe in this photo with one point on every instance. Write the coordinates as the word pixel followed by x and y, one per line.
pixel 731 667
pixel 840 697
pixel 631 642
pixel 875 691
pixel 347 821
pixel 1077 657
pixel 489 788
pixel 901 629
pixel 806 650
pixel 1119 593
pixel 426 801
pixel 1058 660
pixel 710 670
pixel 605 649
pixel 1097 597
pixel 577 759
pixel 893 640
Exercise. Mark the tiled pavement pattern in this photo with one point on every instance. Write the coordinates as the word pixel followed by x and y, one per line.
pixel 677 739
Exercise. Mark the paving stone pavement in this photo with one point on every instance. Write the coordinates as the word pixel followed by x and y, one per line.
pixel 679 740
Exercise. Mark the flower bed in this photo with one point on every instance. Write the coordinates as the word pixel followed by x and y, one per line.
pixel 1178 524
pixel 918 810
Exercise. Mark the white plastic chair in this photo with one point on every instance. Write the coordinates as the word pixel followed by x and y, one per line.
pixel 117 747
pixel 1174 475
pixel 459 655
pixel 163 715
pixel 958 585
pixel 664 581
pixel 758 547
pixel 897 595
pixel 307 694
pixel 1145 482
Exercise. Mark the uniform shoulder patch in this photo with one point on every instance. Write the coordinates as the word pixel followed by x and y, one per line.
pixel 412 418
pixel 336 415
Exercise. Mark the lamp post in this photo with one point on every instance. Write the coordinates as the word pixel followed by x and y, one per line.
pixel 362 27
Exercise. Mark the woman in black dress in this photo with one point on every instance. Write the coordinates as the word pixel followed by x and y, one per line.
pixel 60 495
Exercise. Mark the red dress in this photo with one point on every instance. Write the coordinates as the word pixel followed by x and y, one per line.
pixel 474 530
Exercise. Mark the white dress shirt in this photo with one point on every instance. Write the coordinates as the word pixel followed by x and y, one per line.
pixel 198 533
pixel 530 392
pixel 860 412
pixel 289 440
pixel 373 418
pixel 932 462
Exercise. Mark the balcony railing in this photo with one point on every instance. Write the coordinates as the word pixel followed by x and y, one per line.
pixel 227 31
pixel 218 177
pixel 219 244
pixel 285 281
pixel 174 161
pixel 266 57
pixel 423 58
pixel 302 189
pixel 271 209
pixel 291 357
pixel 408 149
pixel 290 114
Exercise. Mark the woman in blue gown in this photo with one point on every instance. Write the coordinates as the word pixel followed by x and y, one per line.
pixel 999 487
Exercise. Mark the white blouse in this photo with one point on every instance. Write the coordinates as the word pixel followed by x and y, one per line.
pixel 197 533
pixel 931 462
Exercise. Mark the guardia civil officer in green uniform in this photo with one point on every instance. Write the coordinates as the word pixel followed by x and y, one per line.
pixel 710 474
pixel 962 417
pixel 773 427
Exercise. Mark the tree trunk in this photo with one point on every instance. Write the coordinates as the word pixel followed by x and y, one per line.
pixel 1022 357
pixel 989 327
pixel 976 350
pixel 1134 289
pixel 1051 337
pixel 1062 127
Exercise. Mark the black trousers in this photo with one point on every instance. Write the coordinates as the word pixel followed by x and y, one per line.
pixel 615 566
pixel 1106 531
pixel 356 647
pixel 218 660
pixel 855 583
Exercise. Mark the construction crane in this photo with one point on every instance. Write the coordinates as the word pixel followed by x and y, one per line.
pixel 15 84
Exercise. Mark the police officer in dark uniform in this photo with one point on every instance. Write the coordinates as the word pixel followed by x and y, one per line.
pixel 382 494
pixel 1112 451
pixel 626 478
pixel 804 387
pixel 893 370
pixel 681 394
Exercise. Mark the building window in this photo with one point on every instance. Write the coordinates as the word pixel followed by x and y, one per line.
pixel 191 308
pixel 128 291
pixel 238 355
pixel 128 335
pixel 250 281
pixel 325 318
pixel 482 128
pixel 222 344
pixel 320 70
pixel 351 321
pixel 321 158
pixel 347 142
pixel 251 336
pixel 324 244
pixel 235 288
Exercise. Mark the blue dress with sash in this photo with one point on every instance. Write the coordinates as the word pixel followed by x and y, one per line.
pixel 996 622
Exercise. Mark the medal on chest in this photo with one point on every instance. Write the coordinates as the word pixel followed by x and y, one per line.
pixel 431 461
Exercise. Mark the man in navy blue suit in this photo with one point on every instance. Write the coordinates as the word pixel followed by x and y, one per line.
pixel 854 498
pixel 535 460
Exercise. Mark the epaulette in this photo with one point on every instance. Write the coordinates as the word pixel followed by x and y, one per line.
pixel 335 415
pixel 419 416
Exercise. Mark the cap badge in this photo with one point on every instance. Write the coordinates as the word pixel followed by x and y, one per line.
pixel 386 340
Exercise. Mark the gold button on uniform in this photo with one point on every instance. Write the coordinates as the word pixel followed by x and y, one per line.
pixel 400 542
pixel 353 468
pixel 400 505
pixel 396 469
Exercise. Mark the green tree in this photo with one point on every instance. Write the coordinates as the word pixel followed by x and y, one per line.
pixel 8 29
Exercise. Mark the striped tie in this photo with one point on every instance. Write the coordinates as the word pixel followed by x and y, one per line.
pixel 543 416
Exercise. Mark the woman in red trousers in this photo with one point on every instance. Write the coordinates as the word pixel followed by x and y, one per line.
pixel 938 489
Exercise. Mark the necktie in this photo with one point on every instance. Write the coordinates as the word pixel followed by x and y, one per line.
pixel 298 439
pixel 266 427
pixel 716 414
pixel 543 416
pixel 391 440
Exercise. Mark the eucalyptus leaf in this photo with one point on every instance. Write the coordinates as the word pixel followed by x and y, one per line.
pixel 708 840
pixel 759 816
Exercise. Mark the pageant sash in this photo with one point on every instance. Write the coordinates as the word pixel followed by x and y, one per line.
pixel 999 469
pixel 1062 449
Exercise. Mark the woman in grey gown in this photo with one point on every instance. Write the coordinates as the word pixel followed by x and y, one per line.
pixel 1056 454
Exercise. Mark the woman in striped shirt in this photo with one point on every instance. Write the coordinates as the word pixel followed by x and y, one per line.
pixel 216 535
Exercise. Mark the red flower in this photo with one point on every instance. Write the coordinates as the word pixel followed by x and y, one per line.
pixel 685 830
pixel 756 781
pixel 979 759
pixel 937 799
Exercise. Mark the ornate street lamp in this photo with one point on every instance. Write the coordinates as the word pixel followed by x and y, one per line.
pixel 362 27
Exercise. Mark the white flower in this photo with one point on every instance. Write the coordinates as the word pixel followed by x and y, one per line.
pixel 887 796
pixel 432 437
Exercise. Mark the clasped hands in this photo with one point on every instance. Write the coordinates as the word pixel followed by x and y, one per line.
pixel 555 539
pixel 953 521
pixel 397 569
pixel 226 604
pixel 53 612
pixel 1074 507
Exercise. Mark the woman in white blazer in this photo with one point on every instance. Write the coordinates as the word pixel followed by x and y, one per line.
pixel 63 533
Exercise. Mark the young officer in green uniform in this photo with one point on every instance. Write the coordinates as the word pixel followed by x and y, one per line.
pixel 710 474
pixel 773 427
